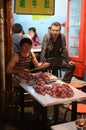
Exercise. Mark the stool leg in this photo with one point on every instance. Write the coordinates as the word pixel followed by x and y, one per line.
pixel 74 111
pixel 65 114
pixel 56 113
pixel 22 104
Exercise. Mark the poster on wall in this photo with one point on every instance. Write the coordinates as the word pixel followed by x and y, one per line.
pixel 34 7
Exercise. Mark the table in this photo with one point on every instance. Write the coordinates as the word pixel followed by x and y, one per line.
pixel 64 126
pixel 48 100
pixel 36 49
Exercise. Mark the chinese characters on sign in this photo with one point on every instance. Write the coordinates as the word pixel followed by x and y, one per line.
pixel 37 7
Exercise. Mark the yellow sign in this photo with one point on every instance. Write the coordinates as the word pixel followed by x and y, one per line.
pixel 37 7
pixel 36 17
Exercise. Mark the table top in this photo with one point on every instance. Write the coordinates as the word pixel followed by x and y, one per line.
pixel 36 49
pixel 48 100
pixel 65 126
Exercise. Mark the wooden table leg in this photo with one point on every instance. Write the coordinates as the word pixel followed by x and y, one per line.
pixel 74 111
pixel 44 118
pixel 40 110
pixel 56 109
pixel 22 104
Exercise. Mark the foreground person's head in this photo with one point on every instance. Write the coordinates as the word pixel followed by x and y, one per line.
pixel 26 44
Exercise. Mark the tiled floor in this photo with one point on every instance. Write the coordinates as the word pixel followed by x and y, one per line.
pixel 10 119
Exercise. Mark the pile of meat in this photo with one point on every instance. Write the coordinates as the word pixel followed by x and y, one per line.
pixel 55 90
pixel 40 78
pixel 27 76
pixel 43 87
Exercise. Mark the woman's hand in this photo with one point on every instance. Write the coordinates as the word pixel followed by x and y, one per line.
pixel 44 64
pixel 25 70
pixel 71 62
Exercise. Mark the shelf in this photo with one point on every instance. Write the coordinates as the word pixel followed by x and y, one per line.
pixel 76 16
pixel 75 26
pixel 74 37
pixel 73 46
pixel 75 8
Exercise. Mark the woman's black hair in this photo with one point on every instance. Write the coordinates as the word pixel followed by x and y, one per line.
pixel 17 28
pixel 25 40
pixel 34 30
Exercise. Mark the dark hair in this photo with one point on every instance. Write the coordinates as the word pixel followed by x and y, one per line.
pixel 17 28
pixel 34 30
pixel 56 24
pixel 49 27
pixel 25 40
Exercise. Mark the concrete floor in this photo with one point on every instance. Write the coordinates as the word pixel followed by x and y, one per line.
pixel 10 119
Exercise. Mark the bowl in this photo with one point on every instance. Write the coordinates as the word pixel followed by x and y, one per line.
pixel 81 124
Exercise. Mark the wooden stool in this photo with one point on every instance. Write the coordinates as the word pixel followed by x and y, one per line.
pixel 56 72
pixel 81 109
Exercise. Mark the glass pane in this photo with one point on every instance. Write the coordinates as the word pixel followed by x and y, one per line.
pixel 74 26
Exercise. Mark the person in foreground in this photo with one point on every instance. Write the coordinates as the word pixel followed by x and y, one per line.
pixel 21 61
pixel 54 51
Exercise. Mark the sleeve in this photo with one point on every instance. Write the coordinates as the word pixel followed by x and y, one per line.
pixel 44 48
pixel 37 40
pixel 64 53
